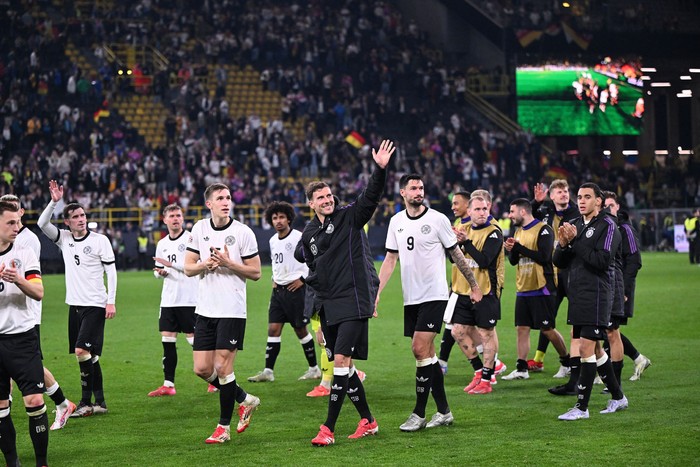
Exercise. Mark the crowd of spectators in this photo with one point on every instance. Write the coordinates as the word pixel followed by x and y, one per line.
pixel 349 65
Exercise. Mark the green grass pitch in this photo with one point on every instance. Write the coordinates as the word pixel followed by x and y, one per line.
pixel 514 425
pixel 547 106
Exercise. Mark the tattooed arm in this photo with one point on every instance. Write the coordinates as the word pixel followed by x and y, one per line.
pixel 461 263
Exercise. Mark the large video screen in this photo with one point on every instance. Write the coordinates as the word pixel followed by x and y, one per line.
pixel 576 100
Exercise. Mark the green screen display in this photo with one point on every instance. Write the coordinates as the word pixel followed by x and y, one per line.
pixel 578 101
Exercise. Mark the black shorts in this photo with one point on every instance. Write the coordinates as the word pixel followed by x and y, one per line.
pixel 86 329
pixel 176 319
pixel 484 314
pixel 37 328
pixel 616 321
pixel 288 307
pixel 535 312
pixel 592 333
pixel 349 338
pixel 219 333
pixel 20 360
pixel 425 317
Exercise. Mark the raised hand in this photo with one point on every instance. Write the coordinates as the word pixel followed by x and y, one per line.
pixel 56 191
pixel 540 192
pixel 381 157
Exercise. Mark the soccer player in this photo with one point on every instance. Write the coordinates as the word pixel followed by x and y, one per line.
pixel 342 273
pixel 530 250
pixel 554 211
pixel 587 247
pixel 460 208
pixel 88 257
pixel 20 357
pixel 631 264
pixel 224 254
pixel 178 297
pixel 482 243
pixel 288 293
pixel 28 239
pixel 419 236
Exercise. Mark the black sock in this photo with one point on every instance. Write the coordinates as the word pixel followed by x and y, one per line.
pixel 617 369
pixel 98 388
pixel 575 372
pixel 310 353
pixel 629 348
pixel 486 374
pixel 476 363
pixel 8 439
pixel 446 345
pixel 585 385
pixel 424 380
pixel 39 432
pixel 86 380
pixel 565 360
pixel 521 365
pixel 607 374
pixel 339 388
pixel 240 394
pixel 169 361
pixel 271 352
pixel 438 389
pixel 227 399
pixel 542 343
pixel 58 397
pixel 356 393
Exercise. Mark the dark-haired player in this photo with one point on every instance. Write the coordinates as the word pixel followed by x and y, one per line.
pixel 88 257
pixel 288 292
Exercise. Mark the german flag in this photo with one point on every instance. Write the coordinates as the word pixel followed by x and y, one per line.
pixel 355 140
pixel 527 36
pixel 102 113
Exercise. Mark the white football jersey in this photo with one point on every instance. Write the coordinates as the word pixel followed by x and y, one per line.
pixel 285 268
pixel 15 315
pixel 85 261
pixel 178 289
pixel 28 239
pixel 421 242
pixel 222 293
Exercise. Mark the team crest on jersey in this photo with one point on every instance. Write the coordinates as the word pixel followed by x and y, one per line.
pixel 425 229
pixel 314 250
pixel 589 232
pixel 87 250
pixel 230 240
pixel 330 229
pixel 288 247
pixel 181 247
pixel 17 263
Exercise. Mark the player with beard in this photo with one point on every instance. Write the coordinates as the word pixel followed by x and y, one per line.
pixel 530 250
pixel 555 211
pixel 419 236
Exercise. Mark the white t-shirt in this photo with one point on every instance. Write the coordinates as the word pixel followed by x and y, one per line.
pixel 178 289
pixel 28 239
pixel 85 261
pixel 285 268
pixel 420 243
pixel 222 293
pixel 15 315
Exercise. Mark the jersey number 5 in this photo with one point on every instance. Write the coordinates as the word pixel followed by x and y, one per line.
pixel 77 260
